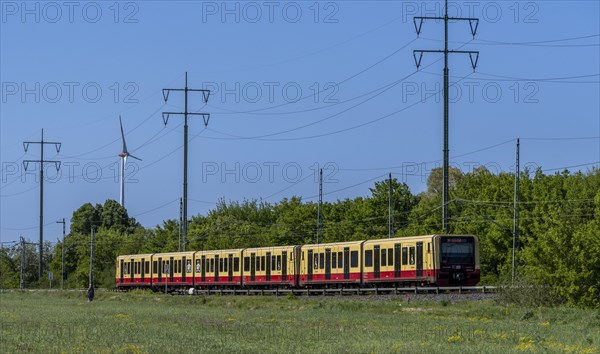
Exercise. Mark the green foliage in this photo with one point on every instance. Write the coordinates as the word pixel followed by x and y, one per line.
pixel 558 247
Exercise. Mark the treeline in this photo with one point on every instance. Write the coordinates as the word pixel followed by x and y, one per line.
pixel 558 244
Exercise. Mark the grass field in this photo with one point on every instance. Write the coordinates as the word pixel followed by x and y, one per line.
pixel 139 322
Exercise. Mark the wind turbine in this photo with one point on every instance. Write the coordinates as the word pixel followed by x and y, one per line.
pixel 124 154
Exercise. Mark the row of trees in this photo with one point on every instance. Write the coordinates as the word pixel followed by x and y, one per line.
pixel 559 231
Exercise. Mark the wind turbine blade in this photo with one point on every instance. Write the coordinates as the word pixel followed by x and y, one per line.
pixel 123 136
pixel 137 158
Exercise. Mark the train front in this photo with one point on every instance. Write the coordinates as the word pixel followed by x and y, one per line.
pixel 457 262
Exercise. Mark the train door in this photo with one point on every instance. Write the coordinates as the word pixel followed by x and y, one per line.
pixel 284 266
pixel 268 266
pixel 132 270
pixel 122 270
pixel 183 269
pixel 160 270
pixel 346 262
pixel 310 264
pixel 376 262
pixel 171 269
pixel 419 259
pixel 397 260
pixel 142 271
pixel 327 264
pixel 217 267
pixel 230 268
pixel 252 266
pixel 203 269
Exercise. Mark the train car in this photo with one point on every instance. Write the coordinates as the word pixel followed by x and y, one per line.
pixel 456 260
pixel 218 268
pixel 328 264
pixel 133 271
pixel 173 270
pixel 271 266
pixel 403 261
pixel 422 260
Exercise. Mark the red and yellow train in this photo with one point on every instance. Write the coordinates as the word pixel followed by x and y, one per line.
pixel 442 260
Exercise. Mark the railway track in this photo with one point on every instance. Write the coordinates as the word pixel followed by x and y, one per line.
pixel 350 291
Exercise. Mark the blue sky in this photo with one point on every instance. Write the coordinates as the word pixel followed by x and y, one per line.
pixel 296 86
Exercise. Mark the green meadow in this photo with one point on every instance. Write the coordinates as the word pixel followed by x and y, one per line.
pixel 143 322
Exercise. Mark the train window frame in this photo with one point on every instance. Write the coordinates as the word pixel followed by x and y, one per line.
pixel 225 265
pixel 221 265
pixel 368 258
pixel 316 259
pixel 383 257
pixel 353 259
pixel 340 260
pixel 155 267
pixel 278 262
pixel 212 266
pixel 390 256
pixel 273 262
pixel 411 255
pixel 322 260
pixel 236 264
pixel 246 264
pixel 334 260
pixel 404 255
pixel 147 266
pixel 262 264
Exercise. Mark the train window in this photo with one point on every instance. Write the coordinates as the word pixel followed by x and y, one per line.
pixel 212 265
pixel 154 267
pixel 354 259
pixel 179 266
pixel 333 260
pixel 404 256
pixel 197 266
pixel 368 258
pixel 383 257
pixel 321 260
pixel 262 263
pixel 412 255
pixel 221 265
pixel 236 264
pixel 316 261
pixel 246 264
pixel 340 259
pixel 207 265
pixel 390 256
pixel 147 266
pixel 273 261
pixel 225 265
pixel 257 263
pixel 278 262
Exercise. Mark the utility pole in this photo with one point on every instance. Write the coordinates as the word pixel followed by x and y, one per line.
pixel 516 201
pixel 92 260
pixel 474 56
pixel 185 113
pixel 41 161
pixel 320 207
pixel 180 223
pixel 390 209
pixel 63 222
pixel 22 282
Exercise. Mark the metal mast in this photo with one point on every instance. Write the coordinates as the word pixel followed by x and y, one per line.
pixel 320 207
pixel 516 200
pixel 474 56
pixel 185 113
pixel 41 161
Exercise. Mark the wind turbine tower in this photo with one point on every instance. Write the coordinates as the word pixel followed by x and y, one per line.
pixel 124 154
